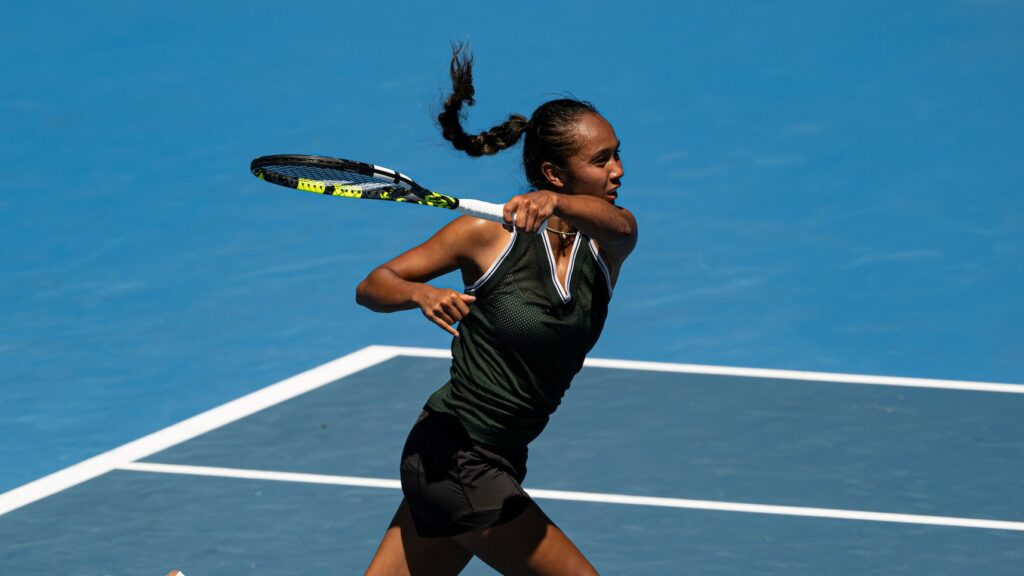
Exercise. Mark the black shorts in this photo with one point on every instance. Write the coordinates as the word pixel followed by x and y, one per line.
pixel 453 485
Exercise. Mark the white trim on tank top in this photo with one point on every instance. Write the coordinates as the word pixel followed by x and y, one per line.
pixel 497 262
pixel 565 293
pixel 603 266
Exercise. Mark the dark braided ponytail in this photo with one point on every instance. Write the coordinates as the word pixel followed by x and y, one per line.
pixel 490 142
pixel 550 132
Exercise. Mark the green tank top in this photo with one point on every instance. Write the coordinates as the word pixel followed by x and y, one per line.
pixel 524 339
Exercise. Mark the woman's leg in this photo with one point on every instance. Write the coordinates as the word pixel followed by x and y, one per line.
pixel 403 552
pixel 529 544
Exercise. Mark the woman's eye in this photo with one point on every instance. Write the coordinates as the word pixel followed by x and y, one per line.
pixel 605 158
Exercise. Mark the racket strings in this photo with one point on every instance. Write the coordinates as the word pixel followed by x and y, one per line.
pixel 337 177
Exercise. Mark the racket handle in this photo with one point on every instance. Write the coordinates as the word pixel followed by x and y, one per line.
pixel 486 210
pixel 481 209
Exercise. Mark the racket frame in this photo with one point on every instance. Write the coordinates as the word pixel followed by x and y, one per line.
pixel 420 195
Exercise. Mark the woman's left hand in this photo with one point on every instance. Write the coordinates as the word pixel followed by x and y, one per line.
pixel 528 211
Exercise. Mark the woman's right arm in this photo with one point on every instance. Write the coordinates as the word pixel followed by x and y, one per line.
pixel 401 283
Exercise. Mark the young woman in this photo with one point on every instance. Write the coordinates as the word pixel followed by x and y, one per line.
pixel 534 305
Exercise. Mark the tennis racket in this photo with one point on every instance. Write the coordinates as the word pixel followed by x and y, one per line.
pixel 350 179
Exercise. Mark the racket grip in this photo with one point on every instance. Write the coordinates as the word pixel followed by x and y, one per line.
pixel 486 210
pixel 481 209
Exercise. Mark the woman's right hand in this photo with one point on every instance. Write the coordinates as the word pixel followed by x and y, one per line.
pixel 529 211
pixel 443 306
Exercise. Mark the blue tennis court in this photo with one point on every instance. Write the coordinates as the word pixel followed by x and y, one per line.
pixel 812 364
pixel 726 471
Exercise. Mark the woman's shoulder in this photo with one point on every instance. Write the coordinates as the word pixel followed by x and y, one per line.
pixel 470 232
pixel 474 243
pixel 472 238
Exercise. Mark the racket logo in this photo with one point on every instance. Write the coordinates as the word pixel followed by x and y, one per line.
pixel 318 187
pixel 312 186
pixel 440 200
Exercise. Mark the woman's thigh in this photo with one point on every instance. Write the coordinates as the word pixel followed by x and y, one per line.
pixel 403 552
pixel 529 544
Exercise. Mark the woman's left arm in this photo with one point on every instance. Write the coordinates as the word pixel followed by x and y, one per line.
pixel 613 227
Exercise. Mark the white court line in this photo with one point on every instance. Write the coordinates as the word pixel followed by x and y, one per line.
pixel 832 377
pixel 194 426
pixel 246 474
pixel 769 373
pixel 591 497
pixel 367 357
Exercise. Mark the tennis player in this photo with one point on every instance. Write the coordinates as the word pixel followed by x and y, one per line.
pixel 534 305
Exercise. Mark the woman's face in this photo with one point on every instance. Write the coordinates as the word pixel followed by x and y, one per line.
pixel 595 169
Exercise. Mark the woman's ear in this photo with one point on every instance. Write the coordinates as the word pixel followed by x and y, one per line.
pixel 553 174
